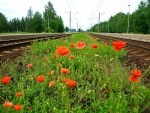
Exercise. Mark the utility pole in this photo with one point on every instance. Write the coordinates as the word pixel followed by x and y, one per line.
pixel 70 22
pixel 70 19
pixel 77 26
pixel 128 20
pixel 91 26
pixel 98 22
pixel 108 25
pixel 91 22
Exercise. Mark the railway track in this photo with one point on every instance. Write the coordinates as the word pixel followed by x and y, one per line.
pixel 12 46
pixel 8 41
pixel 138 51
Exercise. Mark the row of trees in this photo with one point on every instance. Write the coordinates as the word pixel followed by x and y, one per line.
pixel 34 22
pixel 139 21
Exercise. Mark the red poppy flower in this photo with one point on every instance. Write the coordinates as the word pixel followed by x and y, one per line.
pixel 19 94
pixel 80 45
pixel 65 80
pixel 71 57
pixel 41 78
pixel 106 91
pixel 133 79
pixel 5 80
pixel 71 83
pixel 62 50
pixel 94 46
pixel 8 104
pixel 136 73
pixel 64 71
pixel 72 45
pixel 118 45
pixel 55 56
pixel 52 83
pixel 30 65
pixel 17 107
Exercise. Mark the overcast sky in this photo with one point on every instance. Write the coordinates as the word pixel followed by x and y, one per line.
pixel 83 12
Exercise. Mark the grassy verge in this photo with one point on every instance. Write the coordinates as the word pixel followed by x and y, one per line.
pixel 94 80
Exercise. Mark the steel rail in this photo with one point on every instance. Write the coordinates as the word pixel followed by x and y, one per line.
pixel 20 41
pixel 128 41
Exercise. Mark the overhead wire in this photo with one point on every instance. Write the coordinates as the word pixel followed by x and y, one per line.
pixel 120 6
pixel 72 4
pixel 68 5
pixel 96 3
pixel 99 5
pixel 43 1
pixel 97 8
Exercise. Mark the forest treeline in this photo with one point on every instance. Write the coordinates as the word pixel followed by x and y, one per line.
pixel 139 21
pixel 49 21
pixel 36 22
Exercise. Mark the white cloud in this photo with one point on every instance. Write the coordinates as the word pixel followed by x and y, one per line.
pixel 19 8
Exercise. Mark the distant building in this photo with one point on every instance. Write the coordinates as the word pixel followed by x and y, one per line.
pixel 72 30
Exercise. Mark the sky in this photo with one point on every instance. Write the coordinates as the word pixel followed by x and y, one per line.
pixel 84 13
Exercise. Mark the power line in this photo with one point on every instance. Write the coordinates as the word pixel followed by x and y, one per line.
pixel 72 4
pixel 96 3
pixel 68 5
pixel 99 5
pixel 43 1
pixel 120 6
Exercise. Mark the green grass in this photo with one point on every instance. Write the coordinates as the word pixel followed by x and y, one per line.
pixel 94 70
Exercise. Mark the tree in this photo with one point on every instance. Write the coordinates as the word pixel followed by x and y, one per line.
pixel 60 26
pixel 147 16
pixel 49 15
pixel 14 25
pixel 95 28
pixel 22 24
pixel 66 28
pixel 28 21
pixel 3 23
pixel 30 13
pixel 52 22
pixel 139 21
pixel 37 22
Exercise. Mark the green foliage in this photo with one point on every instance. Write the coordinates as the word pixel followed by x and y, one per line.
pixel 60 25
pixel 14 25
pixel 37 22
pixel 51 20
pixel 102 84
pixel 66 29
pixel 22 29
pixel 34 22
pixel 139 21
pixel 3 23
pixel 29 21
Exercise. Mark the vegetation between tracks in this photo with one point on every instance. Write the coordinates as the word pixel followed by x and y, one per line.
pixel 87 78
